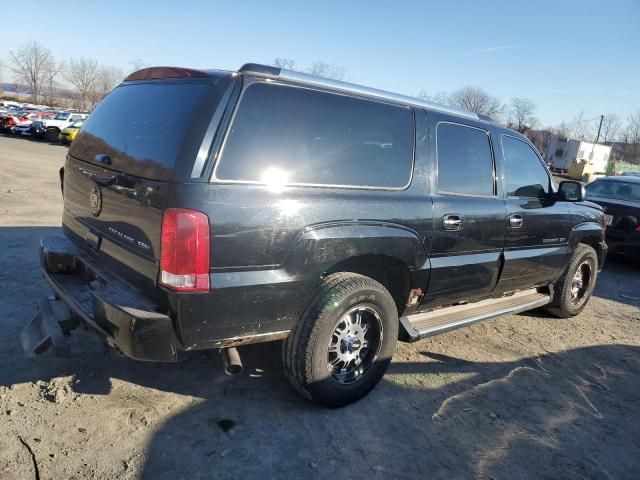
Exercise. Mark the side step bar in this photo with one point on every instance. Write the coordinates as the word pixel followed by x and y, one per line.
pixel 440 320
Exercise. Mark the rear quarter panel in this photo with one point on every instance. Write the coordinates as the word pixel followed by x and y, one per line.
pixel 269 249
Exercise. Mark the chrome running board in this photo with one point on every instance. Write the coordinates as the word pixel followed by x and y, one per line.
pixel 440 320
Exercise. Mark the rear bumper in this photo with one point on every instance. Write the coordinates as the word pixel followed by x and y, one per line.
pixel 125 319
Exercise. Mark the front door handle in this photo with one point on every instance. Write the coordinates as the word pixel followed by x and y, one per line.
pixel 452 222
pixel 515 221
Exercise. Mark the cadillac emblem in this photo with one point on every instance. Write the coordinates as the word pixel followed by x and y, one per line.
pixel 95 200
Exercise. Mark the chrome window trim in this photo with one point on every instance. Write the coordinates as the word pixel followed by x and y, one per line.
pixel 493 164
pixel 372 92
pixel 203 156
pixel 220 154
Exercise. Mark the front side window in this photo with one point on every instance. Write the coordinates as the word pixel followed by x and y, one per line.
pixel 465 163
pixel 525 175
pixel 288 135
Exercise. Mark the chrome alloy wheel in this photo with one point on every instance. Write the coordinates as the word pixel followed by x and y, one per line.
pixel 580 282
pixel 355 344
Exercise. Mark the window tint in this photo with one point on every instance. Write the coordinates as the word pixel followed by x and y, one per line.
pixel 465 164
pixel 525 175
pixel 143 126
pixel 285 135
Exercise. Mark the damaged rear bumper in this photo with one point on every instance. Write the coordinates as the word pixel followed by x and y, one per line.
pixel 87 294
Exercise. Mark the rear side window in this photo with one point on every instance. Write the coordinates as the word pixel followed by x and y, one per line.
pixel 465 163
pixel 525 175
pixel 142 126
pixel 288 135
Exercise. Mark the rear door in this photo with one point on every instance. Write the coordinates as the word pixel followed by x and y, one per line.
pixel 142 137
pixel 538 225
pixel 469 213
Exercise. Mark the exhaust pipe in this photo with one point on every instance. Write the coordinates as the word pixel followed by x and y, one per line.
pixel 231 361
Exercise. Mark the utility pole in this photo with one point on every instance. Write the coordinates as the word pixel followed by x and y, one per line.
pixel 599 128
pixel 597 138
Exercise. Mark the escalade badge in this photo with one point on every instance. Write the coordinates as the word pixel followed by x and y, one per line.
pixel 95 200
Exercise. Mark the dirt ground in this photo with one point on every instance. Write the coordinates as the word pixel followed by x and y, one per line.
pixel 525 396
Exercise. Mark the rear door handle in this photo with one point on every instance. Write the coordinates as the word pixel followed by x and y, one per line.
pixel 452 222
pixel 515 221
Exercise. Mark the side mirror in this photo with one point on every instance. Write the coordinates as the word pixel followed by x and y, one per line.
pixel 572 191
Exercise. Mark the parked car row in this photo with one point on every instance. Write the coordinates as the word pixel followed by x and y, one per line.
pixel 41 123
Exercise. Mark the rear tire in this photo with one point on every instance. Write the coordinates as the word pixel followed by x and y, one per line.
pixel 343 344
pixel 573 290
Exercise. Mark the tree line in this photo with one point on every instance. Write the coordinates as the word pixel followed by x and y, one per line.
pixel 518 113
pixel 35 66
pixel 49 80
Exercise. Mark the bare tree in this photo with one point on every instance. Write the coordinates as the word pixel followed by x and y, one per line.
pixel 138 64
pixel 326 70
pixel 106 80
pixel 83 75
pixel 611 126
pixel 283 62
pixel 540 138
pixel 581 127
pixel 562 130
pixel 631 138
pixel 476 100
pixel 438 97
pixel 31 64
pixel 521 114
pixel 50 88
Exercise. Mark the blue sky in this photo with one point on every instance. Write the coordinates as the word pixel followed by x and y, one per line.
pixel 567 56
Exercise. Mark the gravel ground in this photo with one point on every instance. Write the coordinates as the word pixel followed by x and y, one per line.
pixel 525 396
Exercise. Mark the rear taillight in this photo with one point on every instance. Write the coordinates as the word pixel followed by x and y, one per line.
pixel 637 229
pixel 184 250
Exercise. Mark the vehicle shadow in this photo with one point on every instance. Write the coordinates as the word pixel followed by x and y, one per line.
pixel 619 280
pixel 572 414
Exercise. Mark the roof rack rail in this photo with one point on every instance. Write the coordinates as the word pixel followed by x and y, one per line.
pixel 309 79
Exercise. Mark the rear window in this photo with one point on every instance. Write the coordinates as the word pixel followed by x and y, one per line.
pixel 142 127
pixel 289 135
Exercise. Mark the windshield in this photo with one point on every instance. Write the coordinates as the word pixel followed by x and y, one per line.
pixel 62 116
pixel 615 190
pixel 76 124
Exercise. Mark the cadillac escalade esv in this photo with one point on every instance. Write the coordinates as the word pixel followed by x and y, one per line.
pixel 214 209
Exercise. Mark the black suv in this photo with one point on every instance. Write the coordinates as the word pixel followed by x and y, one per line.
pixel 212 209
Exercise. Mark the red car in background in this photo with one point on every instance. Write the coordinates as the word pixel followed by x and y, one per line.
pixel 10 120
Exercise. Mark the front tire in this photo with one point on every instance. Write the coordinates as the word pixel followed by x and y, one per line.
pixel 573 290
pixel 343 344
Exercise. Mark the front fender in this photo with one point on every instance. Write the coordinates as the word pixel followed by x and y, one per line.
pixel 591 233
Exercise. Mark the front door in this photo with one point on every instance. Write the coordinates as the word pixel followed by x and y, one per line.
pixel 469 214
pixel 538 225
